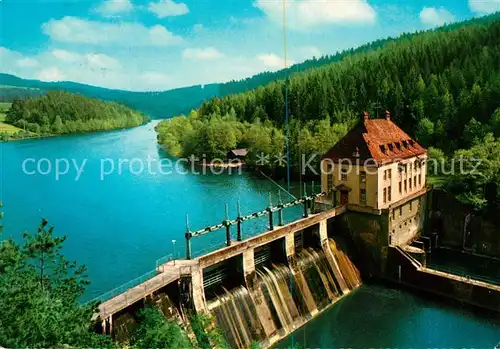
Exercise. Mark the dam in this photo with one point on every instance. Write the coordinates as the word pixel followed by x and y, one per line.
pixel 261 289
pixel 258 290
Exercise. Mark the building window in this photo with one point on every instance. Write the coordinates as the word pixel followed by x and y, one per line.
pixel 385 175
pixel 419 179
pixel 409 183
pixel 415 181
pixel 389 173
pixel 385 195
pixel 362 196
pixel 406 189
pixel 400 211
pixel 393 214
pixel 343 175
pixel 362 177
pixel 389 194
pixel 411 205
pixel 400 187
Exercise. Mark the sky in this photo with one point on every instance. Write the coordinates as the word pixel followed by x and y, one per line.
pixel 151 45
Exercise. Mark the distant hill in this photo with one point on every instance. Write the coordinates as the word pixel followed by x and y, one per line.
pixel 441 85
pixel 164 104
pixel 156 104
pixel 61 112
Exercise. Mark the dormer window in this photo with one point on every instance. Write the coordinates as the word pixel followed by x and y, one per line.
pixel 356 153
pixel 405 144
pixel 398 145
pixel 412 143
pixel 391 146
pixel 383 149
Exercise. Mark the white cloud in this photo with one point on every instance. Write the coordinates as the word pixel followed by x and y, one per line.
pixel 312 13
pixel 113 8
pixel 434 17
pixel 155 79
pixel 92 59
pixel 90 68
pixel 76 30
pixel 168 8
pixel 50 74
pixel 207 53
pixel 308 52
pixel 65 56
pixel 273 62
pixel 484 6
pixel 27 62
pixel 102 61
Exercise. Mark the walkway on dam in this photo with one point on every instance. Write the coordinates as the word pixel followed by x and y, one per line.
pixel 167 273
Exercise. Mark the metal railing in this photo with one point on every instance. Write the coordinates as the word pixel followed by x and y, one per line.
pixel 134 282
pixel 132 294
pixel 124 287
pixel 470 277
pixel 307 201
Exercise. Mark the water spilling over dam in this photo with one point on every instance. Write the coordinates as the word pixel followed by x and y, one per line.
pixel 283 297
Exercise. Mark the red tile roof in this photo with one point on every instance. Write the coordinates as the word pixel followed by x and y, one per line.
pixel 378 139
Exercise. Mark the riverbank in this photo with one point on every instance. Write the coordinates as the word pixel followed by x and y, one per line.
pixel 43 136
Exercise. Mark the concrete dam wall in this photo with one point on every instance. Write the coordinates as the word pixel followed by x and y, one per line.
pixel 257 290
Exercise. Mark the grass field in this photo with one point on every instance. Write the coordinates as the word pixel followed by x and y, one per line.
pixel 4 107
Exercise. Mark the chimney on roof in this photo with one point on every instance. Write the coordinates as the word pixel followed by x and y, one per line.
pixel 366 116
pixel 387 115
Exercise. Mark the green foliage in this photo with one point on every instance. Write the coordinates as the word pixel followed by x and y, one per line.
pixel 477 169
pixel 425 132
pixel 437 80
pixel 39 296
pixel 60 112
pixel 207 334
pixel 255 345
pixel 495 123
pixel 1 225
pixel 155 331
pixel 213 137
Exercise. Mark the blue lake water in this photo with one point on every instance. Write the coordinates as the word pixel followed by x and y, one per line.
pixel 119 221
pixel 379 317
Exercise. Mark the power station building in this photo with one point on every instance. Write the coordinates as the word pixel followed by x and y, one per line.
pixel 377 168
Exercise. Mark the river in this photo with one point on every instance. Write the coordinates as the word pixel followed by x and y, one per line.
pixel 119 220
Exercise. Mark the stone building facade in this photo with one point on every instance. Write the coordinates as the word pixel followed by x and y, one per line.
pixel 375 165
pixel 379 172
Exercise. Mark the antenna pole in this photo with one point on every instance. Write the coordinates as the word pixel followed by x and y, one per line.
pixel 286 101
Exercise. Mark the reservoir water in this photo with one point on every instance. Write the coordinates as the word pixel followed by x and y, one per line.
pixel 118 220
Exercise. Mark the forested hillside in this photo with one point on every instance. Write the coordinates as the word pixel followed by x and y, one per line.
pixel 163 104
pixel 441 86
pixel 59 112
